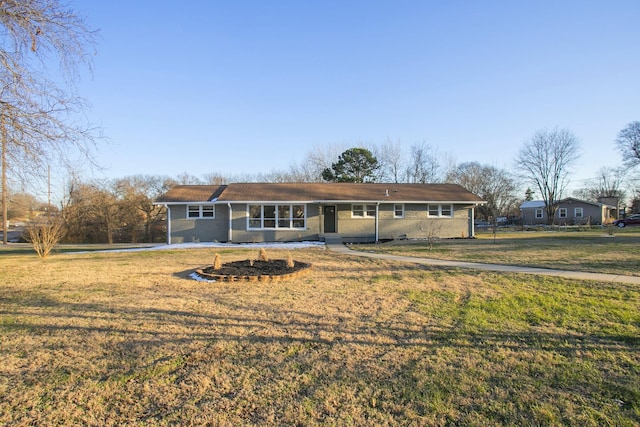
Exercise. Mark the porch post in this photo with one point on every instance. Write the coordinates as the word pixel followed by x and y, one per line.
pixel 472 232
pixel 230 230
pixel 377 215
pixel 168 224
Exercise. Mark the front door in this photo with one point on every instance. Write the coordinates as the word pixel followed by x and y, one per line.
pixel 329 213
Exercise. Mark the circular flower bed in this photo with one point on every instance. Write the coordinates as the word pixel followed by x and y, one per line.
pixel 254 270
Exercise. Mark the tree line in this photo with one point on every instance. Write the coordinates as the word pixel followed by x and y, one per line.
pixel 122 210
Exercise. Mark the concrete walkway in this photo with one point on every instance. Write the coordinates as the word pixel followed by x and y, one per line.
pixel 602 277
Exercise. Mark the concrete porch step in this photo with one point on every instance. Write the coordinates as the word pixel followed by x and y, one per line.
pixel 332 238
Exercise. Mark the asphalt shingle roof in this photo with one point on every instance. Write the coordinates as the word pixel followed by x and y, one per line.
pixel 191 193
pixel 310 192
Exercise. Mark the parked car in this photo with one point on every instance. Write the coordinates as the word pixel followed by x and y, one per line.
pixel 630 220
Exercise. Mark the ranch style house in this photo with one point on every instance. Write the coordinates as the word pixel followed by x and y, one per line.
pixel 286 212
pixel 571 211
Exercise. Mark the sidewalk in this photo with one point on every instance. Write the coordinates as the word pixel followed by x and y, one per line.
pixel 580 275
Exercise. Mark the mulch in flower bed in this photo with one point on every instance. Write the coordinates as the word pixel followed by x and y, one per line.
pixel 253 270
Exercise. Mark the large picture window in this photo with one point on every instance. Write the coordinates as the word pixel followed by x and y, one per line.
pixel 440 210
pixel 200 211
pixel 276 216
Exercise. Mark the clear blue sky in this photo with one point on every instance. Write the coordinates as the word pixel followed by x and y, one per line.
pixel 251 86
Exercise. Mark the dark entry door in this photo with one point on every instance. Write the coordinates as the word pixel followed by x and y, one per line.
pixel 329 219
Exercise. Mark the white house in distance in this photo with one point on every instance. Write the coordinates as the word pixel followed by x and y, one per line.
pixel 270 212
pixel 571 211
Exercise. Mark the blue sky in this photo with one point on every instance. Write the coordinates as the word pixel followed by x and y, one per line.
pixel 251 86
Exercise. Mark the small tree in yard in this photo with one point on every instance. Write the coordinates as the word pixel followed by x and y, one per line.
pixel 44 234
pixel 432 232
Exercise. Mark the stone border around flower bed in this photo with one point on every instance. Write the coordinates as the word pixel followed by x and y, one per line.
pixel 249 278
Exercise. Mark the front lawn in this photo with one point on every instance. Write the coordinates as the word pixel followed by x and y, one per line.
pixel 130 339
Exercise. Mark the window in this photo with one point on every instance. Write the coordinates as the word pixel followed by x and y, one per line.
pixel 276 216
pixel 440 210
pixel 363 211
pixel 538 213
pixel 562 213
pixel 269 216
pixel 577 212
pixel 200 211
pixel 398 211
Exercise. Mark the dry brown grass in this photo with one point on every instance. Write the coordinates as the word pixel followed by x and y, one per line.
pixel 128 338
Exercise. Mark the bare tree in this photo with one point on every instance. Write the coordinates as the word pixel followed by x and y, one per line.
pixel 608 184
pixel 136 195
pixel 319 158
pixel 496 186
pixel 389 155
pixel 91 212
pixel 431 231
pixel 423 166
pixel 545 161
pixel 628 142
pixel 38 104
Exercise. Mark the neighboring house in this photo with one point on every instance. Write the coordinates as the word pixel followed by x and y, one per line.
pixel 571 211
pixel 269 212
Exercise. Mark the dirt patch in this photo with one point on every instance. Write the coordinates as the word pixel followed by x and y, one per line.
pixel 254 270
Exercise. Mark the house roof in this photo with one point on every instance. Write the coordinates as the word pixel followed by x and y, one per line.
pixel 314 192
pixel 528 204
pixel 573 199
pixel 191 193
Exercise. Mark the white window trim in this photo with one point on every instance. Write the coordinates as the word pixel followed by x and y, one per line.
pixel 575 212
pixel 365 211
pixel 201 212
pixel 401 209
pixel 539 213
pixel 277 218
pixel 440 215
pixel 561 211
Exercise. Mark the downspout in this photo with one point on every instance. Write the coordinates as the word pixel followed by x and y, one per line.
pixel 377 215
pixel 230 231
pixel 168 224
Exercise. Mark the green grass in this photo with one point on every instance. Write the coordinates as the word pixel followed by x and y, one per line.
pixel 129 339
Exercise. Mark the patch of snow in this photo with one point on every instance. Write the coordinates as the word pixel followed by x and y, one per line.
pixel 272 245
pixel 197 278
